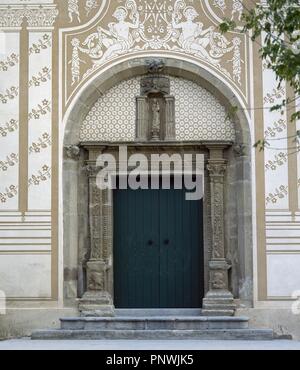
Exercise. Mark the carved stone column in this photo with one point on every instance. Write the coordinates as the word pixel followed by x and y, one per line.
pixel 142 124
pixel 170 118
pixel 97 301
pixel 219 300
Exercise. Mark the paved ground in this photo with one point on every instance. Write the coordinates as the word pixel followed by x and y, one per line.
pixel 27 344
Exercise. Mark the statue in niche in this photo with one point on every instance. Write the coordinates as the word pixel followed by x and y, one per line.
pixel 156 120
pixel 155 107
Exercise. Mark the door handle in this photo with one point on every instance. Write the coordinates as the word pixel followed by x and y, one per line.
pixel 167 242
pixel 150 242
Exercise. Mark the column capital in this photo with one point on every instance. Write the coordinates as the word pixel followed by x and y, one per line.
pixel 216 150
pixel 73 152
pixel 91 170
pixel 217 168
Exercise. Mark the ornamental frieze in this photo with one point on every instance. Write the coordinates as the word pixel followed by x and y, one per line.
pixel 36 15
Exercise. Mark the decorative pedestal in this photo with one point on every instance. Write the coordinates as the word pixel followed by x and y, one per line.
pixel 96 304
pixel 219 301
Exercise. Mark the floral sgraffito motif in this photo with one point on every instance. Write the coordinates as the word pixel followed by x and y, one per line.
pixel 279 127
pixel 43 142
pixel 155 25
pixel 10 161
pixel 280 193
pixel 9 127
pixel 75 62
pixel 41 77
pixel 279 160
pixel 220 4
pixel 73 10
pixel 43 175
pixel 41 110
pixel 236 8
pixel 274 95
pixel 90 5
pixel 9 94
pixel 237 61
pixel 9 62
pixel 9 193
pixel 44 43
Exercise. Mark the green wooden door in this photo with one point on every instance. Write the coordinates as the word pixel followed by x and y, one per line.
pixel 158 249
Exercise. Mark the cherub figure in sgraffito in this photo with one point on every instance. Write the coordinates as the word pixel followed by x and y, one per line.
pixel 117 39
pixel 193 38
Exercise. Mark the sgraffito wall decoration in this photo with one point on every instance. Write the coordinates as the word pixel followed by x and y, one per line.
pixel 136 27
pixel 26 227
pixel 9 126
pixel 51 49
pixel 40 120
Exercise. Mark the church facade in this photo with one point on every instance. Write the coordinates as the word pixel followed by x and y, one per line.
pixel 81 79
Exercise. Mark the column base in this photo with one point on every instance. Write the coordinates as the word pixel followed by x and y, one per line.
pixel 96 304
pixel 219 303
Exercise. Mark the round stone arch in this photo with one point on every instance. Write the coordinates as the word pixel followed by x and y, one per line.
pixel 238 186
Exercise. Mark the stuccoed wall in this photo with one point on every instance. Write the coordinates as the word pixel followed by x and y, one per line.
pixel 50 52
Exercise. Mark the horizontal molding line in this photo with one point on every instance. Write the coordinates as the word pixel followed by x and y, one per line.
pixel 281 299
pixel 33 244
pixel 24 248
pixel 20 220
pixel 18 214
pixel 33 223
pixel 27 299
pixel 283 227
pixel 284 237
pixel 25 252
pixel 279 252
pixel 29 228
pixel 31 300
pixel 273 252
pixel 33 239
pixel 282 223
pixel 284 244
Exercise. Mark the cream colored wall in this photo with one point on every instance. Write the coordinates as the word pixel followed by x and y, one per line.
pixel 43 72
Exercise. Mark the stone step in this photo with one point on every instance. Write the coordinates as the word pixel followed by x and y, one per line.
pixel 154 323
pixel 237 334
pixel 158 312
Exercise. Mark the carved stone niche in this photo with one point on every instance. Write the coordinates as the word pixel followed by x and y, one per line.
pixel 155 110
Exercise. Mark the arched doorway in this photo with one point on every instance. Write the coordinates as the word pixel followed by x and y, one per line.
pixel 227 261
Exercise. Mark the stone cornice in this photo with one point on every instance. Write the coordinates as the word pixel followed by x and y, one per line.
pixel 37 16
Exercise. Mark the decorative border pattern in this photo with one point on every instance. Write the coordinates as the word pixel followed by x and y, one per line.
pixel 37 16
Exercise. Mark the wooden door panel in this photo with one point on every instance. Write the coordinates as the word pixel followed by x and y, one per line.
pixel 158 249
